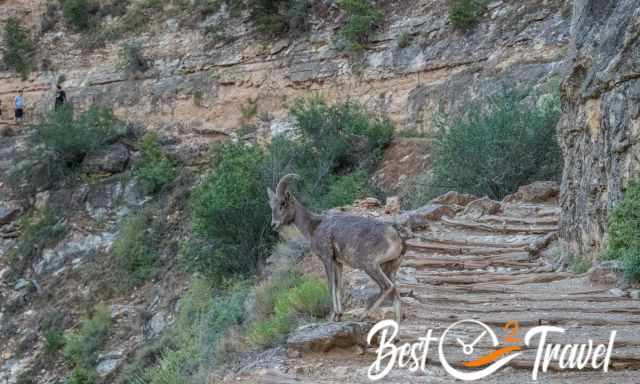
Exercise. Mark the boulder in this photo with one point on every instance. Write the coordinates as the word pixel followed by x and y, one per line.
pixel 537 192
pixel 392 205
pixel 610 272
pixel 9 212
pixel 481 207
pixel 454 198
pixel 368 203
pixel 419 218
pixel 109 362
pixel 326 336
pixel 112 159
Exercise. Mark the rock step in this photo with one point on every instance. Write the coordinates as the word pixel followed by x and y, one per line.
pixel 494 228
pixel 529 210
pixel 460 249
pixel 495 219
pixel 512 260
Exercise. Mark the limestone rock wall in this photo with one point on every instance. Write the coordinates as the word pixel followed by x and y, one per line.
pixel 600 124
pixel 517 43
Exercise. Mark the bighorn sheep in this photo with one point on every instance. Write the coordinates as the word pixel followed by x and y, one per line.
pixel 363 243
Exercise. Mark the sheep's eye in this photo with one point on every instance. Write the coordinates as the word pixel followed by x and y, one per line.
pixel 282 204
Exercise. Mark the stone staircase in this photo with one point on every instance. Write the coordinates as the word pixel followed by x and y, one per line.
pixel 488 268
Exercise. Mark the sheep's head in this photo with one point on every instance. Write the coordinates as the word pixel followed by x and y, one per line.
pixel 282 202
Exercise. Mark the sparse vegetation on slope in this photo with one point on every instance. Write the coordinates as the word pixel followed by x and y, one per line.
pixel 624 232
pixel 190 347
pixel 19 48
pixel 82 346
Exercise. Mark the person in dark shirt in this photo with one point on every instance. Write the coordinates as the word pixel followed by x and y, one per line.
pixel 61 97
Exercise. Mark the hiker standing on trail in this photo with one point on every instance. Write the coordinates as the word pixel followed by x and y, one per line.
pixel 19 105
pixel 61 97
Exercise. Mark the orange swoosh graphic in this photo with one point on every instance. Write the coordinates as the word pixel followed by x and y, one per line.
pixel 493 356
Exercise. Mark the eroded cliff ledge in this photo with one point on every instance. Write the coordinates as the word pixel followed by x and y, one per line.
pixel 516 43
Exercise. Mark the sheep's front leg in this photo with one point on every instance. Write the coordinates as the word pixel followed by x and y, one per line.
pixel 339 286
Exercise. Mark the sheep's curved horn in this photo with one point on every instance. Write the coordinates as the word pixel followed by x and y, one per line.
pixel 284 183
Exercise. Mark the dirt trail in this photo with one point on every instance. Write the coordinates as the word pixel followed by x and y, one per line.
pixel 480 268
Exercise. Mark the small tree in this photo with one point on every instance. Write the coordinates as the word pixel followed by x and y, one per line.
pixel 77 14
pixel 362 18
pixel 19 48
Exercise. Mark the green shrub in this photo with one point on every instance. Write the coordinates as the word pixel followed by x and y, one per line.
pixel 53 340
pixel 281 304
pixel 624 232
pixel 71 138
pixel 343 190
pixel 39 230
pixel 132 60
pixel 276 17
pixel 404 40
pixel 78 13
pixel 82 346
pixel 497 145
pixel 134 248
pixel 155 170
pixel 81 375
pixel 231 215
pixel 19 48
pixel 362 18
pixel 339 144
pixel 464 14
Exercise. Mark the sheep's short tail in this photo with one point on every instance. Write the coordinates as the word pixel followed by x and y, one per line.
pixel 404 232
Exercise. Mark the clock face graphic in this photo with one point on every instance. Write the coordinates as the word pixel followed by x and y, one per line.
pixel 480 349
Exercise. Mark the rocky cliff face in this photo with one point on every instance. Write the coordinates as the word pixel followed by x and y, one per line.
pixel 193 89
pixel 600 125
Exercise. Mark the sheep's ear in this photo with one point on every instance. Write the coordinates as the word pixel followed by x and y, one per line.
pixel 270 193
pixel 288 197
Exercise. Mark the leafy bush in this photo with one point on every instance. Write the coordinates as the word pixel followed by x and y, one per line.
pixel 362 18
pixel 53 332
pixel 624 232
pixel 155 170
pixel 82 346
pixel 345 189
pixel 281 303
pixel 276 17
pixel 132 60
pixel 134 250
pixel 464 14
pixel 497 145
pixel 77 13
pixel 81 375
pixel 19 48
pixel 71 138
pixel 338 144
pixel 404 40
pixel 230 209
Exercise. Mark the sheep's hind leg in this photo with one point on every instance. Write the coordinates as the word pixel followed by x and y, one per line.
pixel 337 273
pixel 386 288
